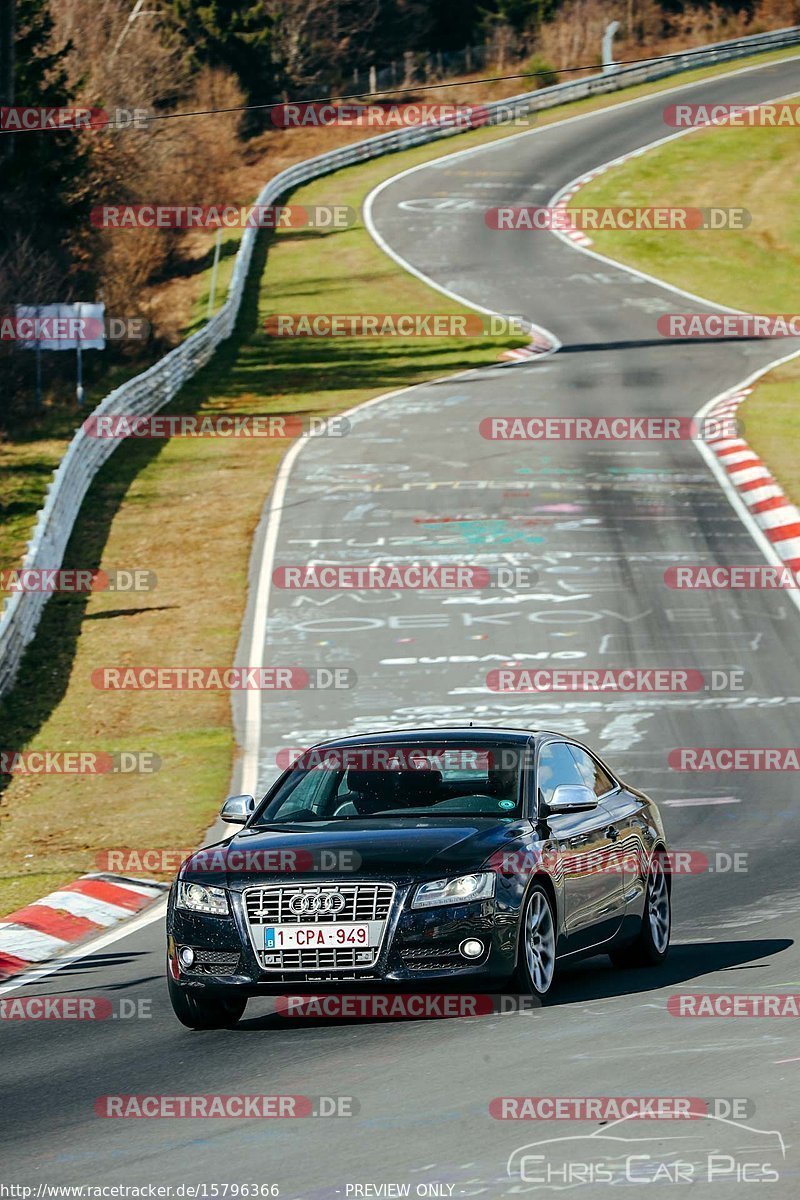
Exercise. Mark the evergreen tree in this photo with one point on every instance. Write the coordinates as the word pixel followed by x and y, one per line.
pixel 229 33
pixel 44 175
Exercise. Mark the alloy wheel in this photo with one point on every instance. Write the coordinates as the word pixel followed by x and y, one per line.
pixel 540 942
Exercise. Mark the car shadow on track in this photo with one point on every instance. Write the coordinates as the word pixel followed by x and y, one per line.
pixel 592 979
pixel 597 979
pixel 118 958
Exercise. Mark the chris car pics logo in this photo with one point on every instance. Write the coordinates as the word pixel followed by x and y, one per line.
pixel 712 1150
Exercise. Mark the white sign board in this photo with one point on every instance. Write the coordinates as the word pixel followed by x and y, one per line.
pixel 60 326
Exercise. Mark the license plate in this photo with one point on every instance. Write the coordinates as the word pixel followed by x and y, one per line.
pixel 343 935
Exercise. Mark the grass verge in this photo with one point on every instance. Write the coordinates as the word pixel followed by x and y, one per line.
pixel 755 269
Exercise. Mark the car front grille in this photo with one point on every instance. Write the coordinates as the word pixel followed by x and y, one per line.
pixel 276 904
pixel 215 962
pixel 333 959
pixel 271 905
pixel 443 957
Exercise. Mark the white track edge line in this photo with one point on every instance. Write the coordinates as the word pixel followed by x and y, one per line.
pixel 581 181
pixel 715 466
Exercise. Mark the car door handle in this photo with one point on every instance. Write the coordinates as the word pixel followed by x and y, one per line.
pixel 612 833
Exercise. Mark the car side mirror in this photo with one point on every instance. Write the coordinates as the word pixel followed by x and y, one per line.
pixel 572 798
pixel 237 809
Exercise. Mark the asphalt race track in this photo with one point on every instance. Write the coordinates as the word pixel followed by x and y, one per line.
pixel 598 523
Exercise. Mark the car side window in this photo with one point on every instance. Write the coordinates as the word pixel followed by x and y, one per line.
pixel 592 774
pixel 311 793
pixel 555 766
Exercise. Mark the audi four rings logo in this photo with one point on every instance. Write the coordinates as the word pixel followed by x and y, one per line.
pixel 316 902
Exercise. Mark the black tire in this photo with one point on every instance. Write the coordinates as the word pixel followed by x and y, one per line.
pixel 203 1010
pixel 537 912
pixel 652 943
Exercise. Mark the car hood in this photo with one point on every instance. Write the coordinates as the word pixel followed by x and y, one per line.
pixel 387 846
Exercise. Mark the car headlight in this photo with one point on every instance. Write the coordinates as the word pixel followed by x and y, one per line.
pixel 199 898
pixel 454 891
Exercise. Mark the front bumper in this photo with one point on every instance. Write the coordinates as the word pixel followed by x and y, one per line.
pixel 420 948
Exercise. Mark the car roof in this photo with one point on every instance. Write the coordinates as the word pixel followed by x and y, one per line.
pixel 434 733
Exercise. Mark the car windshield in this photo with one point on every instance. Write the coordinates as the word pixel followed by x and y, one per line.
pixel 481 779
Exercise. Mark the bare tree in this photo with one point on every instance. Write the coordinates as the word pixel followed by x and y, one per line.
pixel 121 66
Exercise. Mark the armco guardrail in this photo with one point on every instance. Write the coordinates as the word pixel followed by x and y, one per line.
pixel 150 391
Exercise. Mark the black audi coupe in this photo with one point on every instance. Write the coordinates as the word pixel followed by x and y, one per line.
pixel 446 858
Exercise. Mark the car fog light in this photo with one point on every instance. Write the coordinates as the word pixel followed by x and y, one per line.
pixel 186 956
pixel 472 948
